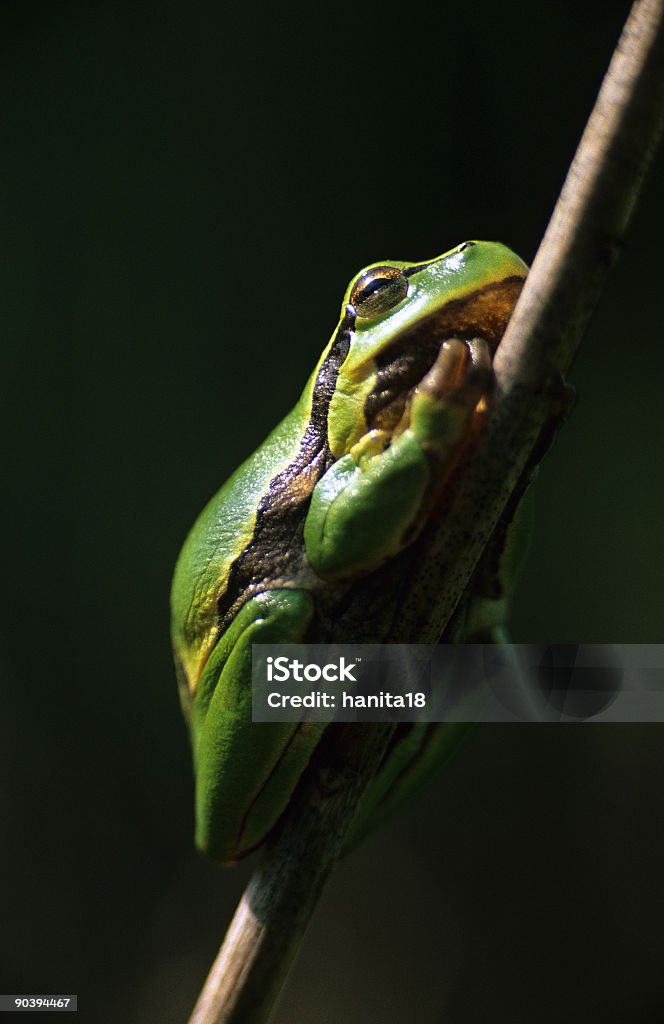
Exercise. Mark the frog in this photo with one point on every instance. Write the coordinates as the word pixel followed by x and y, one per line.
pixel 344 486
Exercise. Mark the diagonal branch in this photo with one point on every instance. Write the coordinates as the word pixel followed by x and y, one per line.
pixel 579 249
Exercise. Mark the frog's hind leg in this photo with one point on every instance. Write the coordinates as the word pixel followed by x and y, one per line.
pixel 246 771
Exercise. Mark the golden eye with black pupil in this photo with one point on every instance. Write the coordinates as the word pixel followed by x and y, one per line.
pixel 378 291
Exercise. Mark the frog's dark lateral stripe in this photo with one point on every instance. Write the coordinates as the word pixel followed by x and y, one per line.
pixel 276 545
pixel 402 365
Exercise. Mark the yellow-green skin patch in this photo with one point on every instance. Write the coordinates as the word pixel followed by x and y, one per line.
pixel 341 486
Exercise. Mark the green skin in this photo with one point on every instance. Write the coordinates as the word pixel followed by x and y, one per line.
pixel 343 485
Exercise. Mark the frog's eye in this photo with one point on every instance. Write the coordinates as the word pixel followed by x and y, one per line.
pixel 379 290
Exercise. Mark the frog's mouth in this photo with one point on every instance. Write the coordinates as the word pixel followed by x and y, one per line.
pixel 404 363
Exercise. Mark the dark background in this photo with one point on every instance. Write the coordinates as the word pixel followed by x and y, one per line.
pixel 186 191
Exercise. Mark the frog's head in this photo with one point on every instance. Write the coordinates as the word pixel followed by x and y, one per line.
pixel 396 316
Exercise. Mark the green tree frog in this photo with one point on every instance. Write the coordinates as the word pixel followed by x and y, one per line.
pixel 345 484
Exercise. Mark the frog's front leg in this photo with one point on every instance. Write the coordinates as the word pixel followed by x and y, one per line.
pixel 374 500
pixel 246 771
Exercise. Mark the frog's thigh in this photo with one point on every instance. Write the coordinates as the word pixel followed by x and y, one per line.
pixel 417 752
pixel 246 771
pixel 360 510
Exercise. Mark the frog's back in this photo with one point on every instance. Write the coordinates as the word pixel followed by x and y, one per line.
pixel 223 530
